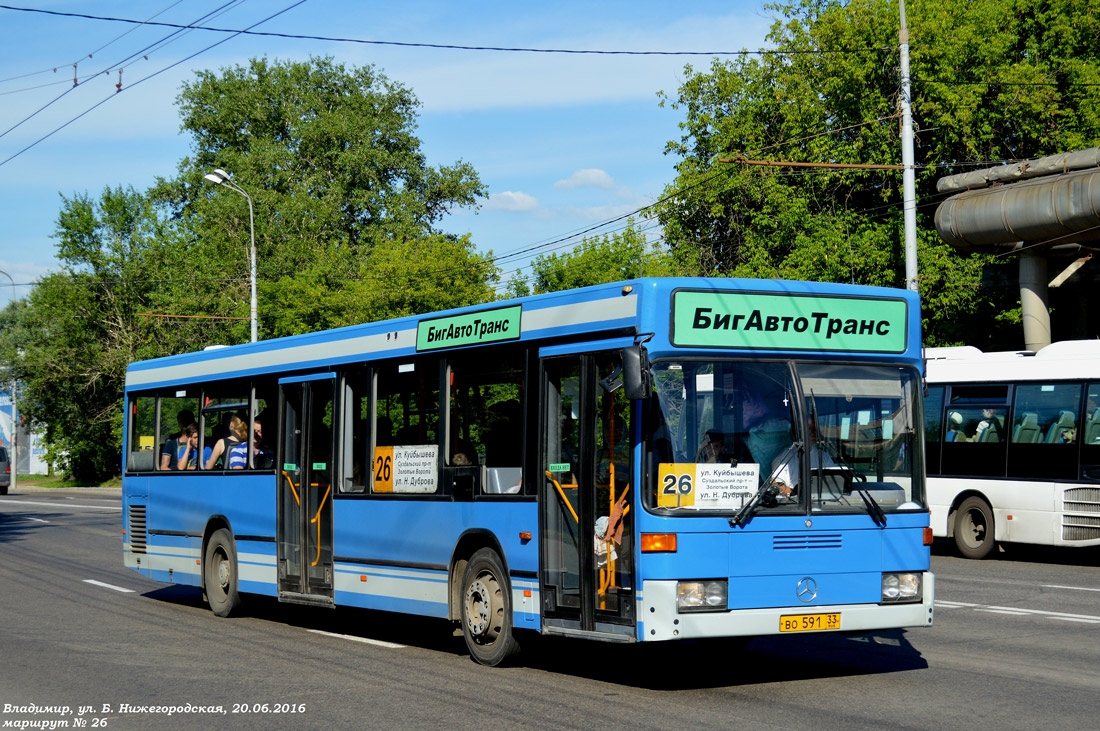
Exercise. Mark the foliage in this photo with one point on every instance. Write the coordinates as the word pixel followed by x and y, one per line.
pixel 337 180
pixel 346 208
pixel 80 327
pixel 609 258
pixel 834 97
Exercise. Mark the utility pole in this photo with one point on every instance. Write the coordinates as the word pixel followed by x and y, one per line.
pixel 13 460
pixel 908 176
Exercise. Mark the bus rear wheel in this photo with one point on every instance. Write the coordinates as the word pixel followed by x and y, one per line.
pixel 487 610
pixel 219 567
pixel 974 528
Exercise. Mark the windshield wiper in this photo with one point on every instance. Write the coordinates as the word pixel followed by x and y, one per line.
pixel 767 495
pixel 872 507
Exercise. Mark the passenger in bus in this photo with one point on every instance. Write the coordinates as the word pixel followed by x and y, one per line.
pixel 262 458
pixel 990 427
pixel 464 454
pixel 169 451
pixel 223 446
pixel 954 428
pixel 189 449
pixel 238 452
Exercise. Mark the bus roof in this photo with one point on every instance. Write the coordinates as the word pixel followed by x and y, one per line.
pixel 1068 359
pixel 619 309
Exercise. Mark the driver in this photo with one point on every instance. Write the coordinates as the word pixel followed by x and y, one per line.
pixel 785 469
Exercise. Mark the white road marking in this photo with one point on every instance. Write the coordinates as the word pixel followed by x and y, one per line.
pixel 1089 618
pixel 1074 588
pixel 54 505
pixel 36 520
pixel 108 586
pixel 364 640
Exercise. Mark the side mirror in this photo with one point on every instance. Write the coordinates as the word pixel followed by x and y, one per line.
pixel 636 372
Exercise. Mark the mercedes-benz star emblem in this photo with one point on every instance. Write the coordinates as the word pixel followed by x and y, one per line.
pixel 806 590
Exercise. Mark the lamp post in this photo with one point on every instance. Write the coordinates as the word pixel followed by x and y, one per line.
pixel 220 177
pixel 14 461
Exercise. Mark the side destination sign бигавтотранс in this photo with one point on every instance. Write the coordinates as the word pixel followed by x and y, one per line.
pixel 487 326
pixel 788 322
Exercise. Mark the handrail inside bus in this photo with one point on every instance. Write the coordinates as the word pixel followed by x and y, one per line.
pixel 293 489
pixel 317 519
pixel 564 499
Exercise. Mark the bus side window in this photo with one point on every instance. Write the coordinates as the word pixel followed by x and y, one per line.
pixel 486 418
pixel 1044 434
pixel 933 428
pixel 1090 437
pixel 407 406
pixel 1092 415
pixel 142 437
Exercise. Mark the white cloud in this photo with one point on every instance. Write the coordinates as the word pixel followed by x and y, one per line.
pixel 588 178
pixel 511 201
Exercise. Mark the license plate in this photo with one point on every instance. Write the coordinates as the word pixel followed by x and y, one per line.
pixel 809 622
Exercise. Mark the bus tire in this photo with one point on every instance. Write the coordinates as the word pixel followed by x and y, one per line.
pixel 487 610
pixel 219 568
pixel 974 528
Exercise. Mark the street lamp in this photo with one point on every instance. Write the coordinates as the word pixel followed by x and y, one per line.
pixel 14 461
pixel 220 177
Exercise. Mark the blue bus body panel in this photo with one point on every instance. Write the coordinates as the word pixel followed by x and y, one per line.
pixel 845 554
pixel 178 511
pixel 395 555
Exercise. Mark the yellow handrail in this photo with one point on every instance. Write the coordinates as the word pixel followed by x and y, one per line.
pixel 564 499
pixel 293 489
pixel 317 519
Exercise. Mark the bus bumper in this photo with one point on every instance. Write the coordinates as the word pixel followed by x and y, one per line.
pixel 660 620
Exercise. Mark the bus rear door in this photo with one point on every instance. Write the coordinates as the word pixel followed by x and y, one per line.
pixel 305 464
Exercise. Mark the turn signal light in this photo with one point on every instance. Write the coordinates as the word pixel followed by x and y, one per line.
pixel 658 543
pixel 928 536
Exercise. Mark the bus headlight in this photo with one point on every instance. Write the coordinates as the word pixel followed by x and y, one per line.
pixel 702 596
pixel 901 588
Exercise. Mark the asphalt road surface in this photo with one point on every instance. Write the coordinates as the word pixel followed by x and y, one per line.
pixel 86 643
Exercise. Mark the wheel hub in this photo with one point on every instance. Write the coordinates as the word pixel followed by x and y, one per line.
pixel 478 607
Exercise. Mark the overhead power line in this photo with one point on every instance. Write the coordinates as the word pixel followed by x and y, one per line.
pixel 447 46
pixel 139 81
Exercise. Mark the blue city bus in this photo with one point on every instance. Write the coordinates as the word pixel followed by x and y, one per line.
pixel 653 460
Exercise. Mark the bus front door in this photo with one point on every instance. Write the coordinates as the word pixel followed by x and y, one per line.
pixel 587 575
pixel 305 490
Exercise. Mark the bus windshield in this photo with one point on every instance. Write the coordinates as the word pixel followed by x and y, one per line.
pixel 725 432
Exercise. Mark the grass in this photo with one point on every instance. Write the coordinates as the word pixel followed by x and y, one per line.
pixel 58 481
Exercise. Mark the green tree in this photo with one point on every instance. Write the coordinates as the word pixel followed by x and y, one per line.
pixel 608 258
pixel 74 335
pixel 338 180
pixel 993 80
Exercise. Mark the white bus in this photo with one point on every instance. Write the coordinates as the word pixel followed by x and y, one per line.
pixel 1013 445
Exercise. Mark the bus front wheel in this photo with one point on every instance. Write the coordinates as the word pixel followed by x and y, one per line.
pixel 220 573
pixel 974 528
pixel 487 610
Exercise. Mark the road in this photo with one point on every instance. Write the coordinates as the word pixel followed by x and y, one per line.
pixel 1016 645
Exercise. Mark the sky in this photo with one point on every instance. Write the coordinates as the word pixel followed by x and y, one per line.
pixel 563 142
